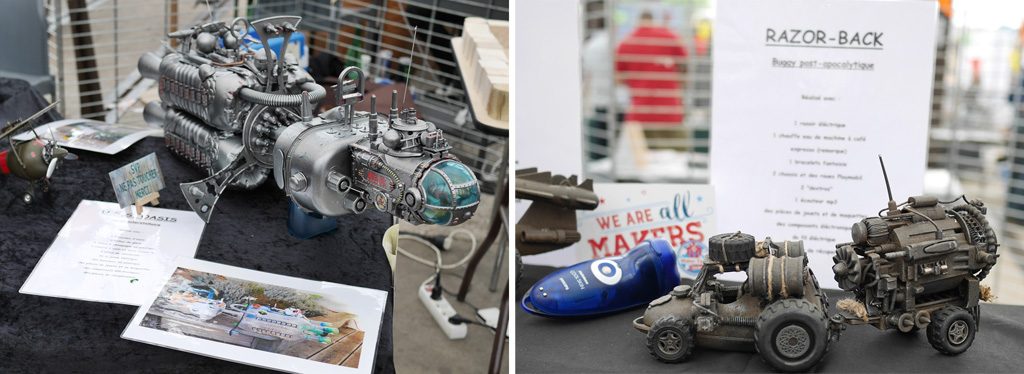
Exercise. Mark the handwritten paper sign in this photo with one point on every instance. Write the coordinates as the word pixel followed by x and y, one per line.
pixel 630 213
pixel 137 180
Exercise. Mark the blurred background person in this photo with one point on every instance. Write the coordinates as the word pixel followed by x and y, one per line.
pixel 651 61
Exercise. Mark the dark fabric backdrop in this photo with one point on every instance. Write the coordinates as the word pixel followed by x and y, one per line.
pixel 42 334
pixel 609 344
pixel 19 101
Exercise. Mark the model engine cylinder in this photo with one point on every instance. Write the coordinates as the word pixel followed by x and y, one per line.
pixel 201 90
pixel 240 114
pixel 917 252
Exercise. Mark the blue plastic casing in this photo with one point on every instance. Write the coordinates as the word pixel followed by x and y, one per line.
pixel 304 225
pixel 606 285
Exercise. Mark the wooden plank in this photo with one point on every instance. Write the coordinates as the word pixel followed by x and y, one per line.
pixel 353 360
pixel 340 350
pixel 308 348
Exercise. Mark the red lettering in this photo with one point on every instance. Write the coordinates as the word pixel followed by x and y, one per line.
pixel 675 235
pixel 598 247
pixel 604 222
pixel 657 232
pixel 694 229
pixel 642 237
pixel 620 245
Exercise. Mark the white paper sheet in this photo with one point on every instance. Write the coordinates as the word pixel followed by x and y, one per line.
pixel 547 90
pixel 103 254
pixel 93 136
pixel 262 319
pixel 806 94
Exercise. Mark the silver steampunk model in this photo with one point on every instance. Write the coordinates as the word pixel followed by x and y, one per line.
pixel 243 115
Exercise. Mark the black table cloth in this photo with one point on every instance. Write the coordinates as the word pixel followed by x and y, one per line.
pixel 248 229
pixel 610 344
pixel 19 101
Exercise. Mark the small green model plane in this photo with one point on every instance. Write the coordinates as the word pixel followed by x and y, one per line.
pixel 33 160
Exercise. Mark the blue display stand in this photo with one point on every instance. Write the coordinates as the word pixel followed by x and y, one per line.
pixel 305 225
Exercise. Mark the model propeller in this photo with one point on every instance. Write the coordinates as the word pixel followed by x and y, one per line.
pixel 34 160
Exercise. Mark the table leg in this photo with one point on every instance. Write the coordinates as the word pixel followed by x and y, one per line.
pixel 481 250
pixel 497 222
pixel 498 349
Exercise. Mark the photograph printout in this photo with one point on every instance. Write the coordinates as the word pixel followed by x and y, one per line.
pixel 262 319
pixel 93 136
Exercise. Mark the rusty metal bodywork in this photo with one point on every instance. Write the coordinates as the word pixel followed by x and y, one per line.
pixel 918 265
pixel 726 315
pixel 920 258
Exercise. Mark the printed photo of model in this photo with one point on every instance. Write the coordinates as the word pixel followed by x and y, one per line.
pixel 256 315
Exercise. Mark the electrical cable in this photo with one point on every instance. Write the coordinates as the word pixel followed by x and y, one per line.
pixel 456 319
pixel 475 309
pixel 439 264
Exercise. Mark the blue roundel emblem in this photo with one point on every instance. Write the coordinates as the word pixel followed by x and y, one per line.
pixel 689 257
pixel 606 271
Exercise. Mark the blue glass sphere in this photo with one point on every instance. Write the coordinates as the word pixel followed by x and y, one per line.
pixel 451 193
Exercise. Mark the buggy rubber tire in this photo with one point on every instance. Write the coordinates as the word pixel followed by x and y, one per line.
pixel 952 330
pixel 670 339
pixel 791 335
pixel 732 247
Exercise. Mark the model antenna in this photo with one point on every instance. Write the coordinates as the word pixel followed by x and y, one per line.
pixel 408 69
pixel 888 188
pixel 210 9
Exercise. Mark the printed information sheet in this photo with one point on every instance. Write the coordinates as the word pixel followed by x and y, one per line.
pixel 104 254
pixel 806 95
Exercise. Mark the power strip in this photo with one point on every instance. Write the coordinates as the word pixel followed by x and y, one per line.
pixel 490 316
pixel 441 310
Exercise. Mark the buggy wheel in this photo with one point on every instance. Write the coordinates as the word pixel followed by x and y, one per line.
pixel 952 330
pixel 791 335
pixel 670 339
pixel 732 248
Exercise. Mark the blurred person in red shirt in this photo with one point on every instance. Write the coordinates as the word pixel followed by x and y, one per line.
pixel 651 62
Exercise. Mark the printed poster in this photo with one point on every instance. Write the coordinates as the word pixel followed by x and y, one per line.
pixel 629 213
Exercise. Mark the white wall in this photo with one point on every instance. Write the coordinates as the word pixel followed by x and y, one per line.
pixel 547 96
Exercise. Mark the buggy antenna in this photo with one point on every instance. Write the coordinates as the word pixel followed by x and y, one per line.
pixel 892 203
pixel 408 69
